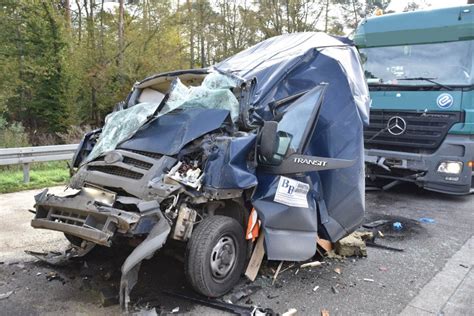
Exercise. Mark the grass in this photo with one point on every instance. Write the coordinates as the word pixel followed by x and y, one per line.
pixel 44 174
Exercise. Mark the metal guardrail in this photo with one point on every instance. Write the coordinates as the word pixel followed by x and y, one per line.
pixel 27 155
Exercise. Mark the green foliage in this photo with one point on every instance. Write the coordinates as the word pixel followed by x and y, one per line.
pixel 65 63
pixel 12 134
pixel 41 175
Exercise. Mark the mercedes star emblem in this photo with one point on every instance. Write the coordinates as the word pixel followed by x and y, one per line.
pixel 396 125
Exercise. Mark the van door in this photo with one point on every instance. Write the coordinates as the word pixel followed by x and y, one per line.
pixel 285 195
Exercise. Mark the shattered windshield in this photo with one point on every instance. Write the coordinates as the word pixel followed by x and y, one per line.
pixel 448 63
pixel 214 93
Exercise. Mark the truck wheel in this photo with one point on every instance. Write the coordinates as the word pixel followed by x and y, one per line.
pixel 215 255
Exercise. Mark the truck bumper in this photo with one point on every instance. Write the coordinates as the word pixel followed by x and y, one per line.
pixel 422 169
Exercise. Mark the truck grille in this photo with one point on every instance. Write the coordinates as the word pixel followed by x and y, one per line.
pixel 424 133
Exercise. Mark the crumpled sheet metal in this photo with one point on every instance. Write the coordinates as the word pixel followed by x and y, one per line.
pixel 130 268
pixel 214 93
pixel 61 258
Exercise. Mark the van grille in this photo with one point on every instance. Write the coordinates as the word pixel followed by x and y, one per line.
pixel 117 171
pixel 425 131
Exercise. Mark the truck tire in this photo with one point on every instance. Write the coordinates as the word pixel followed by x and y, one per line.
pixel 215 256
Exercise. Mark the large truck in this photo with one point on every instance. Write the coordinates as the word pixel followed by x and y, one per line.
pixel 419 68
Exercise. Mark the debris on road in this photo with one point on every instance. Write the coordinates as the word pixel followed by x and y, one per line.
pixel 108 297
pixel 375 224
pixel 290 312
pixel 315 288
pixel 275 276
pixel 57 258
pixel 244 292
pixel 368 280
pixel 397 226
pixel 256 259
pixel 50 276
pixel 223 306
pixel 354 244
pixel 324 312
pixel 311 264
pixel 334 290
pixel 5 295
pixel 325 244
pixel 374 245
pixel 426 220
pixel 338 270
pixel 333 255
pixel 175 310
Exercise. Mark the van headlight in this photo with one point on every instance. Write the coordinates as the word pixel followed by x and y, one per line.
pixel 453 167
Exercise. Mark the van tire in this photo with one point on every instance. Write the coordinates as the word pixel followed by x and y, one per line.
pixel 215 256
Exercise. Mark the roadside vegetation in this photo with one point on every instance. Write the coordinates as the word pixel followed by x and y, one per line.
pixel 42 175
pixel 65 64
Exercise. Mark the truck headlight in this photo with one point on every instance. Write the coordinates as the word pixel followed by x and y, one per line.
pixel 453 167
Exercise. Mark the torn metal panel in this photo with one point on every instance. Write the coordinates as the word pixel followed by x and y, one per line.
pixel 228 166
pixel 154 241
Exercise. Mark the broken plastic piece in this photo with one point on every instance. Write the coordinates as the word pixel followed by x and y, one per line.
pixel 187 175
pixel 426 220
pixel 244 292
pixel 5 295
pixel 311 264
pixel 61 258
pixel 397 226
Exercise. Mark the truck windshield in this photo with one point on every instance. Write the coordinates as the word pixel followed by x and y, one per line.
pixel 450 64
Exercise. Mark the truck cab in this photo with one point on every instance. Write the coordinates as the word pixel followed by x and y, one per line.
pixel 419 68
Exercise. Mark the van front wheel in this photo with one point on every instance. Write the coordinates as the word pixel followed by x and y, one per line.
pixel 215 255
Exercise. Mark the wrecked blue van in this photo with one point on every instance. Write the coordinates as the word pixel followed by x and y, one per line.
pixel 189 155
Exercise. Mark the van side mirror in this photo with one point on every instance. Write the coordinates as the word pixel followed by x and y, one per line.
pixel 272 144
pixel 267 140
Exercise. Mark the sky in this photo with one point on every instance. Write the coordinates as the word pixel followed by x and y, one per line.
pixel 398 5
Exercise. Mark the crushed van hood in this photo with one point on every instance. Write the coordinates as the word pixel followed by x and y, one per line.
pixel 169 133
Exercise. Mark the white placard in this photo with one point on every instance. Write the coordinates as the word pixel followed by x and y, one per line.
pixel 292 193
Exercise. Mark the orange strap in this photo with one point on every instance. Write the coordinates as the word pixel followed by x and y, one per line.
pixel 253 226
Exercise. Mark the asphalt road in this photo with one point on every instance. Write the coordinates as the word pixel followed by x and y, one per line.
pixel 397 276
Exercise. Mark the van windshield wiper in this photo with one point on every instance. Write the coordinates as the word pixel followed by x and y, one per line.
pixel 427 79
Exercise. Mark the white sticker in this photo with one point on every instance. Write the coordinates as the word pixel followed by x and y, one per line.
pixel 292 193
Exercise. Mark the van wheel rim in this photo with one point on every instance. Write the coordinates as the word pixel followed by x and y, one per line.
pixel 223 257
